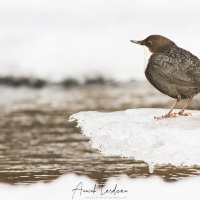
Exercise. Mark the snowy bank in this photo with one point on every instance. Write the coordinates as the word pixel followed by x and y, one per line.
pixel 81 188
pixel 135 133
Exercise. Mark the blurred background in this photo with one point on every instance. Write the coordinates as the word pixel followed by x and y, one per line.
pixel 59 39
pixel 59 57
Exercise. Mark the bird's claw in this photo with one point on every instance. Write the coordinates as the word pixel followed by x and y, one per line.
pixel 184 114
pixel 172 115
pixel 166 116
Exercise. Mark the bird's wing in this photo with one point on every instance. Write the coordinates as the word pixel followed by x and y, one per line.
pixel 176 67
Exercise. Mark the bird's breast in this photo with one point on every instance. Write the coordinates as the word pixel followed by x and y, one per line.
pixel 147 55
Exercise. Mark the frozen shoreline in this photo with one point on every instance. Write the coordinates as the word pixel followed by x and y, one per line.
pixel 135 133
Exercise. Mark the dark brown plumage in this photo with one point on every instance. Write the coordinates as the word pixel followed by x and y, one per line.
pixel 172 70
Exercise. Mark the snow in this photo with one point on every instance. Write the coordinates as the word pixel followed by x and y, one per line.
pixel 135 133
pixel 61 39
pixel 140 188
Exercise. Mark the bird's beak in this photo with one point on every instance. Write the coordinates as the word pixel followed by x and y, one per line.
pixel 136 42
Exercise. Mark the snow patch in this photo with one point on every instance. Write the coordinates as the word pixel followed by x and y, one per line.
pixel 141 188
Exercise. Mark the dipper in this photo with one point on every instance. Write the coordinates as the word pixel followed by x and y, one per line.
pixel 171 70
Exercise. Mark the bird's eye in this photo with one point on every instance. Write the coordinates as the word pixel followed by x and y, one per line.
pixel 149 43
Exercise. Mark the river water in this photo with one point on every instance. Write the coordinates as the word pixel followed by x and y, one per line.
pixel 37 143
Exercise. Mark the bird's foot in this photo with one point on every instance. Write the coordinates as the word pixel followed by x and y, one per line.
pixel 173 115
pixel 184 114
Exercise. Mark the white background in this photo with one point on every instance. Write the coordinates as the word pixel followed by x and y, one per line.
pixel 56 39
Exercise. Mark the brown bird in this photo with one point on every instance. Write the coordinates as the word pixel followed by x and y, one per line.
pixel 171 70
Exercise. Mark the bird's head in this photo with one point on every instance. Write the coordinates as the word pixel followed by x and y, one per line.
pixel 156 43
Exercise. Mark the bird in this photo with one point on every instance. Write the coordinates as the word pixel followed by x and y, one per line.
pixel 172 70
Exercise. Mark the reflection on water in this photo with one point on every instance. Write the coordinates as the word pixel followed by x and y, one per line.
pixel 37 143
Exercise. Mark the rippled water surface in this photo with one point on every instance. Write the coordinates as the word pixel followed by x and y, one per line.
pixel 37 143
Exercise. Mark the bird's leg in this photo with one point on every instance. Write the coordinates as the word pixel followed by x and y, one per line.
pixel 181 113
pixel 169 115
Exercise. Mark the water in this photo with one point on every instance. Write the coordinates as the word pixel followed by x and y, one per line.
pixel 37 143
